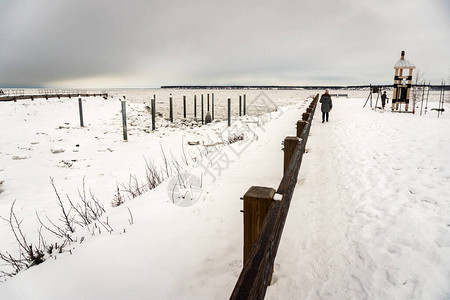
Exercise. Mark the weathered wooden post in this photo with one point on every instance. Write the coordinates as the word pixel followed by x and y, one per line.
pixel 80 108
pixel 171 108
pixel 212 105
pixel 195 106
pixel 240 105
pixel 124 119
pixel 154 112
pixel 207 106
pixel 290 142
pixel 229 112
pixel 245 104
pixel 305 116
pixel 257 201
pixel 184 107
pixel 203 119
pixel 300 126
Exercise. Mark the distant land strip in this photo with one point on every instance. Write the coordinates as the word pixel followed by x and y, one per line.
pixel 288 87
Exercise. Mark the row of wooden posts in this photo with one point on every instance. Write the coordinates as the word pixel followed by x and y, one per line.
pixel 265 212
pixel 242 108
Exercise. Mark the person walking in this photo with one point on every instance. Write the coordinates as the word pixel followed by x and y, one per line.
pixel 383 99
pixel 327 105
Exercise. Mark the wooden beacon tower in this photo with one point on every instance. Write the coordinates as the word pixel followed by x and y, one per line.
pixel 402 83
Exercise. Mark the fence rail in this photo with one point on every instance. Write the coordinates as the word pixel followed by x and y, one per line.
pixel 258 266
pixel 14 95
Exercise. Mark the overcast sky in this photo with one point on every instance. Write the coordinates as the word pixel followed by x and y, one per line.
pixel 104 43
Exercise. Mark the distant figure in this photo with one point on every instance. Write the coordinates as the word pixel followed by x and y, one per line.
pixel 327 105
pixel 208 118
pixel 1 92
pixel 383 99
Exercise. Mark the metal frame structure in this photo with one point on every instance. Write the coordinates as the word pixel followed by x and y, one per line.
pixel 402 84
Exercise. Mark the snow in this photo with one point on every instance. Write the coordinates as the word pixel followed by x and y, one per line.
pixel 369 217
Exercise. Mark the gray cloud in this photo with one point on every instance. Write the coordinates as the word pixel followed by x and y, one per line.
pixel 152 43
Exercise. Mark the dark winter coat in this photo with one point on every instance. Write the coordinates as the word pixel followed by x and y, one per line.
pixel 327 104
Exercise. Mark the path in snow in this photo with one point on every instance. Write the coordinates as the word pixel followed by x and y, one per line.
pixel 370 216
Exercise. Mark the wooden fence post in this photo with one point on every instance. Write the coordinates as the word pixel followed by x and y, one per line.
pixel 80 108
pixel 124 119
pixel 171 108
pixel 240 105
pixel 305 116
pixel 184 107
pixel 154 112
pixel 203 119
pixel 290 142
pixel 229 112
pixel 300 125
pixel 257 201
pixel 245 104
pixel 195 106
pixel 207 106
pixel 212 106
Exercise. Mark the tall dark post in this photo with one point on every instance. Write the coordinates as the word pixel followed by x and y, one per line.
pixel 124 119
pixel 80 108
pixel 245 104
pixel 184 107
pixel 207 105
pixel 154 112
pixel 423 94
pixel 229 111
pixel 195 106
pixel 240 105
pixel 203 120
pixel 171 108
pixel 212 106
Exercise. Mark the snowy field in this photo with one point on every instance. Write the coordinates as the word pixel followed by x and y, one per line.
pixel 370 218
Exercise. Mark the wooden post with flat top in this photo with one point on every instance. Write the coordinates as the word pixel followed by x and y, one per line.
pixel 300 125
pixel 257 201
pixel 290 142
pixel 184 107
pixel 171 108
pixel 229 112
pixel 212 106
pixel 124 119
pixel 195 106
pixel 305 116
pixel 80 108
pixel 154 112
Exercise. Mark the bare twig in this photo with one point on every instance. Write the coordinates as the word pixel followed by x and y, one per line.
pixel 65 215
pixel 28 255
pixel 131 221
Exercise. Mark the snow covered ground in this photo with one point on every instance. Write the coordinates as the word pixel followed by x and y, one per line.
pixel 369 219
